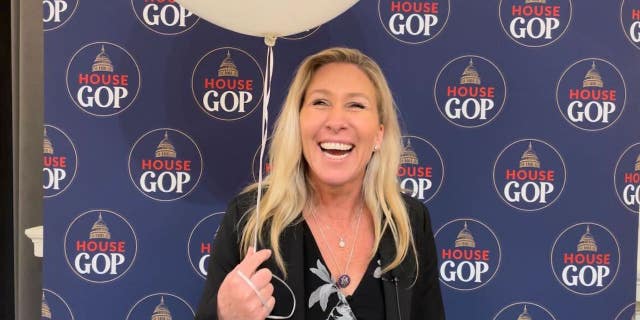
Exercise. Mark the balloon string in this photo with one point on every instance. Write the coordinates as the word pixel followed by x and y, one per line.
pixel 266 93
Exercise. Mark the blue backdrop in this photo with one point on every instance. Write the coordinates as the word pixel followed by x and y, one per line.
pixel 521 136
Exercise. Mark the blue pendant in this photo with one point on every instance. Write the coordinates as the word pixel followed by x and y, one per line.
pixel 343 281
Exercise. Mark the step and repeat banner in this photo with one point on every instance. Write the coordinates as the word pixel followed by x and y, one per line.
pixel 521 124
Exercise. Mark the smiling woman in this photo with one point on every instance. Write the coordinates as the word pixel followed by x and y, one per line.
pixel 340 126
pixel 336 226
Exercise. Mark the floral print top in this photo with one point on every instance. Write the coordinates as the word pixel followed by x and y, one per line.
pixel 326 301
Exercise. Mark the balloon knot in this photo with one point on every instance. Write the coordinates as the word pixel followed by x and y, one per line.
pixel 270 40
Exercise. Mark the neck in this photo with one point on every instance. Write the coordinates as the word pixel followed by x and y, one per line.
pixel 338 204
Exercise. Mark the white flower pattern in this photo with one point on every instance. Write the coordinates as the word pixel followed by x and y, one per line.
pixel 342 310
pixel 377 273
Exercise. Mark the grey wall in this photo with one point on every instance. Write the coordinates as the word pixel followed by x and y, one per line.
pixel 27 92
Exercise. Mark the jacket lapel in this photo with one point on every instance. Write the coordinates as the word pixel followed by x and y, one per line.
pixel 293 255
pixel 396 282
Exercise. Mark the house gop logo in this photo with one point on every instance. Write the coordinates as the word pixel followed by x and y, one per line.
pixel 53 307
pixel 227 83
pixel 413 22
pixel 55 13
pixel 529 174
pixel 626 178
pixel 161 306
pixel 535 23
pixel 421 170
pixel 470 91
pixel 524 311
pixel 630 20
pixel 166 17
pixel 629 312
pixel 103 79
pixel 165 164
pixel 100 246
pixel 585 258
pixel 60 161
pixel 469 252
pixel 201 242
pixel 591 94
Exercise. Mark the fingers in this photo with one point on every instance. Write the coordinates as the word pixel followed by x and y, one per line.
pixel 252 261
pixel 247 291
pixel 268 307
pixel 260 284
pixel 261 278
pixel 266 292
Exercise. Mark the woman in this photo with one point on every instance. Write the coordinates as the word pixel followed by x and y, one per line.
pixel 339 231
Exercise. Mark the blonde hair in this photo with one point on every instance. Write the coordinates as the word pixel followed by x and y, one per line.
pixel 286 189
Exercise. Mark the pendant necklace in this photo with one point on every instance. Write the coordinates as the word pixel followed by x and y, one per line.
pixel 342 242
pixel 344 279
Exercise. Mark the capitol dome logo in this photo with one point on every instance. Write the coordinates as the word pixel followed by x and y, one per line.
pixel 421 170
pixel 103 79
pixel 53 307
pixel 629 312
pixel 200 243
pixel 60 161
pixel 630 20
pixel 161 306
pixel 414 22
pixel 591 94
pixel 55 13
pixel 626 178
pixel 165 164
pixel 100 246
pixel 529 174
pixel 469 253
pixel 470 91
pixel 524 311
pixel 166 17
pixel 585 258
pixel 535 23
pixel 227 83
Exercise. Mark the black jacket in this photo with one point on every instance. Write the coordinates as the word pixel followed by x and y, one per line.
pixel 403 301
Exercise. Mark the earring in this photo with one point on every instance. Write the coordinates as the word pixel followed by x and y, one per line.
pixel 375 148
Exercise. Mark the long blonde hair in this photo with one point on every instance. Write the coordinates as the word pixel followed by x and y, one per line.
pixel 286 189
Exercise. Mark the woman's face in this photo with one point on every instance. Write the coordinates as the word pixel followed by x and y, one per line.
pixel 339 125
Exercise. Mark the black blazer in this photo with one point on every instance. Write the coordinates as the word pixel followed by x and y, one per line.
pixel 403 301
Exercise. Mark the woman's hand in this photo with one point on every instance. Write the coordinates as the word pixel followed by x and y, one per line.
pixel 236 298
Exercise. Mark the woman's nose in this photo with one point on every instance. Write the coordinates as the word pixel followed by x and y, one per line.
pixel 336 119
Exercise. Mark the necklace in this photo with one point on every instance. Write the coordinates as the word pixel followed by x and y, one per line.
pixel 342 243
pixel 344 279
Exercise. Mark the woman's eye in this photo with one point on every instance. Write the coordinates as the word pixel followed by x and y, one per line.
pixel 319 102
pixel 357 105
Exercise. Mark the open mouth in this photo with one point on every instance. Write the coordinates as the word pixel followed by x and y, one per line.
pixel 336 150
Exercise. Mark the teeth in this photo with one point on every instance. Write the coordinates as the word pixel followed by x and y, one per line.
pixel 336 146
pixel 335 157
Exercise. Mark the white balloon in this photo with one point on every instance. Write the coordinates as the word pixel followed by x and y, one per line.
pixel 267 18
